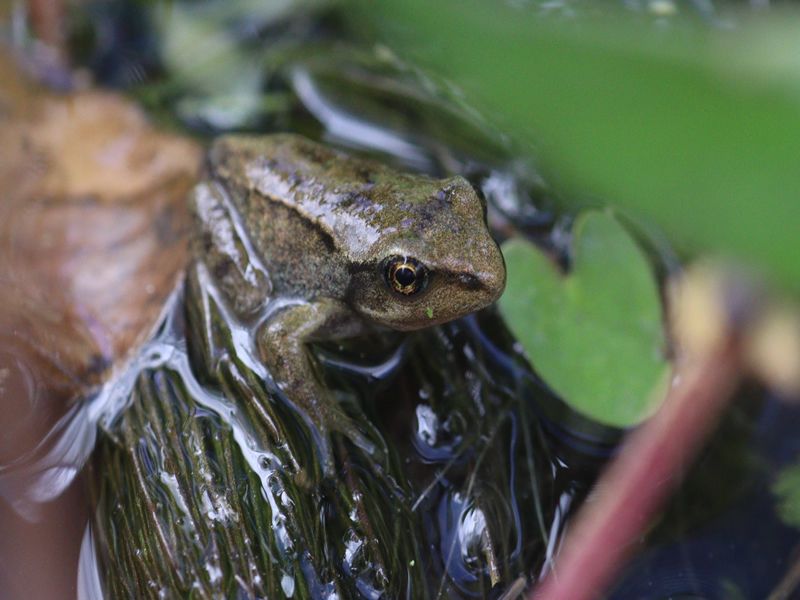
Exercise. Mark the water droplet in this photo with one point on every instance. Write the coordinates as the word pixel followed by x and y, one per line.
pixel 287 585
pixel 427 424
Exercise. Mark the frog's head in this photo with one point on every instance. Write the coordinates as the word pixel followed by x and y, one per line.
pixel 434 263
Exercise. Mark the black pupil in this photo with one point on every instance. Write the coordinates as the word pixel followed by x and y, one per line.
pixel 405 276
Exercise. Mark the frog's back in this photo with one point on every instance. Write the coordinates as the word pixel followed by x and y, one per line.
pixel 311 211
pixel 280 186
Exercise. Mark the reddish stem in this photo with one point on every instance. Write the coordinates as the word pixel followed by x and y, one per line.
pixel 47 21
pixel 639 480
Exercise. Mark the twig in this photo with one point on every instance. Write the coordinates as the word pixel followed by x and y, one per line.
pixel 47 22
pixel 638 482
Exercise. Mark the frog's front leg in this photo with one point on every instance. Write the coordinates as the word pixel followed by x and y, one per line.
pixel 283 345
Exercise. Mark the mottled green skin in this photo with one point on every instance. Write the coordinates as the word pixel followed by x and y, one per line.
pixel 283 217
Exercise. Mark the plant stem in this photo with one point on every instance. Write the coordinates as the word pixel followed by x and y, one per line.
pixel 640 479
pixel 47 22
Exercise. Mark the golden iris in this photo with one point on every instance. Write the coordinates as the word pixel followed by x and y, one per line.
pixel 405 275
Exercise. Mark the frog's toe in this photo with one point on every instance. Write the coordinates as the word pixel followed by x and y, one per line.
pixel 365 442
pixel 344 425
pixel 360 440
pixel 339 423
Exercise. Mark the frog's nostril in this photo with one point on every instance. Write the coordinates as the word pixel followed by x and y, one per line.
pixel 494 281
pixel 470 281
pixel 487 281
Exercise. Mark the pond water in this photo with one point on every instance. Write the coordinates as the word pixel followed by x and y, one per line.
pixel 200 477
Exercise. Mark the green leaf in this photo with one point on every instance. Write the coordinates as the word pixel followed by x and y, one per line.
pixel 787 490
pixel 698 128
pixel 595 335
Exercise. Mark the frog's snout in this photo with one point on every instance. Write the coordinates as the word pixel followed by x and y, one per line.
pixel 493 282
pixel 489 284
pixel 482 279
pixel 493 275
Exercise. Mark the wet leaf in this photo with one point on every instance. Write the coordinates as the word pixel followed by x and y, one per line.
pixel 594 335
pixel 92 241
pixel 93 219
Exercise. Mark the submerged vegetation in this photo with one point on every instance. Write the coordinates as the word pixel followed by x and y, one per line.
pixel 210 485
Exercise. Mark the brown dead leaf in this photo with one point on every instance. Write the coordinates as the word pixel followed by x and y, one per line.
pixel 92 237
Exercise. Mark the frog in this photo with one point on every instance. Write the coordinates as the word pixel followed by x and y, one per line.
pixel 312 244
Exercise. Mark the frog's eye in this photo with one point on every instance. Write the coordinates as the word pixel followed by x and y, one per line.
pixel 406 275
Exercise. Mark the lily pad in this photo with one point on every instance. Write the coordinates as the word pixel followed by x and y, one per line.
pixel 594 335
